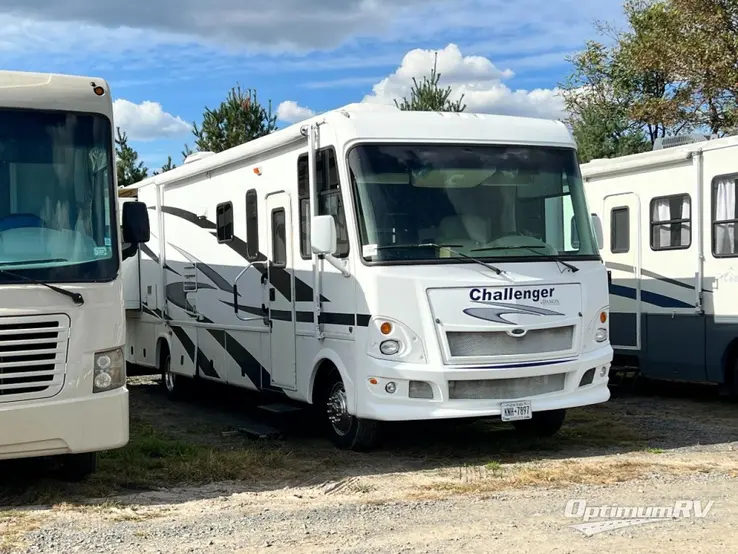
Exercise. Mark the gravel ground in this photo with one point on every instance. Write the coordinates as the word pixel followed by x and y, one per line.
pixel 301 521
pixel 449 489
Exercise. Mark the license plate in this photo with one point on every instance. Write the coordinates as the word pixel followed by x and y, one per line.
pixel 514 411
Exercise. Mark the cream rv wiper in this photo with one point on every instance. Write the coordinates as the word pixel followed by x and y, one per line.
pixel 75 296
pixel 447 247
pixel 573 268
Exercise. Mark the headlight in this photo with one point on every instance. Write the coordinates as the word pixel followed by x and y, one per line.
pixel 110 370
pixel 601 335
pixel 389 347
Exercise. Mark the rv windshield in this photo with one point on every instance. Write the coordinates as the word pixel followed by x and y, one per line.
pixel 56 196
pixel 489 202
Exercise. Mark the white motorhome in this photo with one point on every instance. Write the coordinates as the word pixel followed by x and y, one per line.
pixel 671 249
pixel 62 325
pixel 382 265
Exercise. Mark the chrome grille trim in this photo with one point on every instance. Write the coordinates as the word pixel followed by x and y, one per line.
pixel 475 344
pixel 502 389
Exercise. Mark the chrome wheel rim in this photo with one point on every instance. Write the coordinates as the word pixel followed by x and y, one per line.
pixel 168 375
pixel 337 410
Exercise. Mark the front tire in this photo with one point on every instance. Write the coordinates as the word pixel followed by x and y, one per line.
pixel 542 424
pixel 345 430
pixel 77 467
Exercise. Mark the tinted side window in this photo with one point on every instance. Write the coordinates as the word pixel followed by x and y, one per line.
pixel 619 230
pixel 252 225
pixel 224 221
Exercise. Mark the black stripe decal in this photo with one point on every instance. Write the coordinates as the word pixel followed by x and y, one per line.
pixel 206 270
pixel 187 343
pixel 147 251
pixel 329 318
pixel 303 291
pixel 202 222
pixel 250 366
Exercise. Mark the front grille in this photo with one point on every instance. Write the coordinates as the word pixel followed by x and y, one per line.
pixel 501 389
pixel 33 353
pixel 499 343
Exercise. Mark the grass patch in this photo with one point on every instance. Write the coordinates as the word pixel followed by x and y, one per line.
pixel 655 450
pixel 563 474
pixel 154 459
pixel 14 525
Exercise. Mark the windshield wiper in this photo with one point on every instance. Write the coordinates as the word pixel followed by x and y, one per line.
pixel 573 268
pixel 75 296
pixel 447 247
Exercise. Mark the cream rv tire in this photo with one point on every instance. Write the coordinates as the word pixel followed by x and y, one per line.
pixel 542 424
pixel 76 467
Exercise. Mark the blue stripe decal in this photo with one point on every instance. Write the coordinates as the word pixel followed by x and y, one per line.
pixel 512 366
pixel 649 297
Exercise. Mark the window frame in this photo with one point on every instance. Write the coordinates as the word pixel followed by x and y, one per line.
pixel 625 209
pixel 219 211
pixel 653 223
pixel 252 246
pixel 303 198
pixel 272 258
pixel 713 209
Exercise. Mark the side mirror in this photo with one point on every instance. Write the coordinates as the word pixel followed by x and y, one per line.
pixel 323 239
pixel 599 234
pixel 135 223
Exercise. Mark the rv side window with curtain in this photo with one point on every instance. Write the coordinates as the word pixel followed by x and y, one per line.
pixel 724 216
pixel 224 221
pixel 252 226
pixel 279 244
pixel 329 199
pixel 670 222
pixel 619 230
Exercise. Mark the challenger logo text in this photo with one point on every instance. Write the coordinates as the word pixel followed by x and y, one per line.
pixel 497 303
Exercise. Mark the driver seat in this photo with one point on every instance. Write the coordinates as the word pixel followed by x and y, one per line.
pixel 466 230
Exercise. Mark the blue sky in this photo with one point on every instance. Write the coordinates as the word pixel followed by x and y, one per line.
pixel 167 59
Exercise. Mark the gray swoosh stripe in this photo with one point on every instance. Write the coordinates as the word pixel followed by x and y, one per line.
pixel 657 276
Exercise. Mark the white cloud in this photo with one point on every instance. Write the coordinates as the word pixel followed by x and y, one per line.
pixel 476 77
pixel 147 120
pixel 290 111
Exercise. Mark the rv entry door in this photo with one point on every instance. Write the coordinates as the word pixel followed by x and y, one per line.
pixel 281 290
pixel 622 253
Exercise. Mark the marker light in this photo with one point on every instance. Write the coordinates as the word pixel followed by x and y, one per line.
pixel 385 328
pixel 97 89
pixel 603 317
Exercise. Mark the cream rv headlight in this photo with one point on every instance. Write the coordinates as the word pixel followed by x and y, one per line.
pixel 109 371
pixel 601 335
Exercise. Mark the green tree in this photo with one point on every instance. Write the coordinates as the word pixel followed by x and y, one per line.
pixel 696 41
pixel 618 105
pixel 427 96
pixel 128 167
pixel 239 119
pixel 166 167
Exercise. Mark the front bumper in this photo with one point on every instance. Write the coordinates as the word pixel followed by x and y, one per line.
pixel 374 402
pixel 73 425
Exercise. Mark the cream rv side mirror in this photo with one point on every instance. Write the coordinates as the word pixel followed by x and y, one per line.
pixel 599 234
pixel 323 239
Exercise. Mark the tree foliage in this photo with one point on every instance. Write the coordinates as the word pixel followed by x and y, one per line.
pixel 429 96
pixel 129 168
pixel 239 119
pixel 166 167
pixel 674 70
